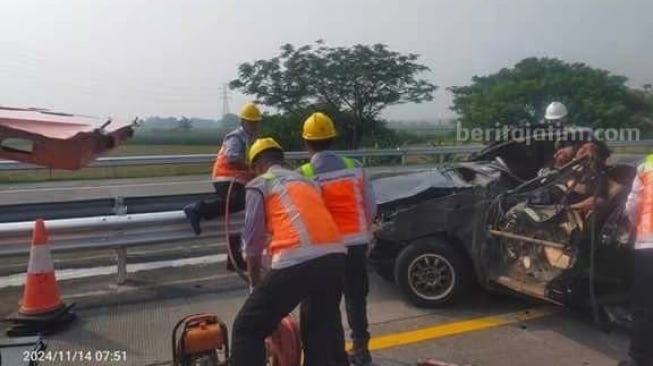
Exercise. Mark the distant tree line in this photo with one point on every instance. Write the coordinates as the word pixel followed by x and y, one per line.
pixel 594 97
pixel 355 84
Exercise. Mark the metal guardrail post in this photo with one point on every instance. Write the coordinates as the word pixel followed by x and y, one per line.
pixel 119 209
pixel 404 157
pixel 121 261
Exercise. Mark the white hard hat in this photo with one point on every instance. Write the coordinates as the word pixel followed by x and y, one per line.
pixel 555 110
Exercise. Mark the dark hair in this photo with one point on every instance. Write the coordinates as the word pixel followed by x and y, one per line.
pixel 603 150
pixel 319 145
pixel 269 156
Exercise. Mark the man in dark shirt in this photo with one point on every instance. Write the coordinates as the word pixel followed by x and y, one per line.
pixel 588 187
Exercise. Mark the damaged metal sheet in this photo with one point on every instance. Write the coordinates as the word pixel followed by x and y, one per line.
pixel 393 189
pixel 58 140
pixel 424 218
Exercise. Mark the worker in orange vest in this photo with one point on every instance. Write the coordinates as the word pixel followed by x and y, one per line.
pixel 230 166
pixel 639 208
pixel 307 262
pixel 350 198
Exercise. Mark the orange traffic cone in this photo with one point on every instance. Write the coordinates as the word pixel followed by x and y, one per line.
pixel 41 309
pixel 41 293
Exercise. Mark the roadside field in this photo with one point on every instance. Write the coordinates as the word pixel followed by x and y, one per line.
pixel 39 175
pixel 134 149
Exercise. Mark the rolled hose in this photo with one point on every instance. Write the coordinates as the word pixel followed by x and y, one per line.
pixel 227 234
pixel 284 344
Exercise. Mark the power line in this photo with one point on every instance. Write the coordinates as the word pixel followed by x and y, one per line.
pixel 225 100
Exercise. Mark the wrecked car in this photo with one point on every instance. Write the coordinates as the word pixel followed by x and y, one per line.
pixel 440 231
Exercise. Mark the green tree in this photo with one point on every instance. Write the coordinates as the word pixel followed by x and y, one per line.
pixel 185 124
pixel 361 80
pixel 286 128
pixel 593 97
pixel 645 117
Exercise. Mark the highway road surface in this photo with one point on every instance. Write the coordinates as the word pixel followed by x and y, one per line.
pixel 483 330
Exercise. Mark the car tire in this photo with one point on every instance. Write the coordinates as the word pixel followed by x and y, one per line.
pixel 431 273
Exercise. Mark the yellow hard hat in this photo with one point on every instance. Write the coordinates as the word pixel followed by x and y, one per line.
pixel 261 145
pixel 250 112
pixel 318 127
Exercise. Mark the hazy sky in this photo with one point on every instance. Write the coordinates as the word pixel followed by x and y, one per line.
pixel 170 57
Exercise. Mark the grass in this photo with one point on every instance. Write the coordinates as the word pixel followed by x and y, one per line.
pixel 198 137
pixel 146 171
pixel 41 175
pixel 131 149
pixel 633 150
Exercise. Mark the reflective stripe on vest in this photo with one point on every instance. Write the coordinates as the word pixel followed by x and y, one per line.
pixel 300 226
pixel 645 221
pixel 342 191
pixel 222 170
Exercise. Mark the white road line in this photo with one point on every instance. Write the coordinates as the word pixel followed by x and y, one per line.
pixel 121 289
pixel 16 280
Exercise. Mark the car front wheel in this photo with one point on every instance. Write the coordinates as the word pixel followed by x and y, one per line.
pixel 431 273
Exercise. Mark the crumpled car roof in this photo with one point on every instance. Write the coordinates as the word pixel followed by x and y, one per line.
pixel 396 188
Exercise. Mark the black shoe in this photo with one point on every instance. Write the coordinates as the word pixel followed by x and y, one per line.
pixel 194 217
pixel 360 357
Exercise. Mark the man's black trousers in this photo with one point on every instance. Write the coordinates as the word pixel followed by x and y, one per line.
pixel 317 284
pixel 641 339
pixel 356 289
pixel 211 209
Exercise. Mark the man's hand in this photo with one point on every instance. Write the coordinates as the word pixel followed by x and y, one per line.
pixel 254 269
pixel 588 204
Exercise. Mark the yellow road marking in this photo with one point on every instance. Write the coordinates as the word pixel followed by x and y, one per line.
pixel 459 327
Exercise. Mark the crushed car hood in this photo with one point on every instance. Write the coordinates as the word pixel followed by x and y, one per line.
pixel 434 182
pixel 404 186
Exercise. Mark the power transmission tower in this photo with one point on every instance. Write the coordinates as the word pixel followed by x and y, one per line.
pixel 225 100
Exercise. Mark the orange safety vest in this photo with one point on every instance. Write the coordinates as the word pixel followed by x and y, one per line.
pixel 300 226
pixel 645 213
pixel 342 191
pixel 222 170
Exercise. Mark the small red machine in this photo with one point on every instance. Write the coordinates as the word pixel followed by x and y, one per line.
pixel 203 340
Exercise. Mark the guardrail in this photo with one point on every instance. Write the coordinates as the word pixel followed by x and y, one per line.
pixel 441 151
pixel 117 232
